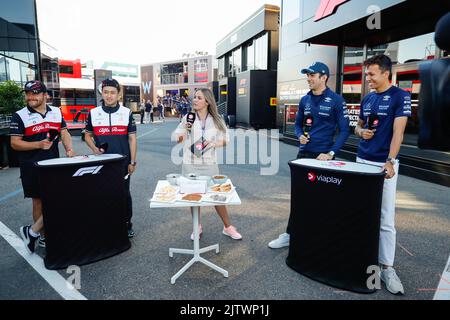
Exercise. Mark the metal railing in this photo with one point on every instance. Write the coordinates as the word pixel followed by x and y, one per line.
pixel 5 121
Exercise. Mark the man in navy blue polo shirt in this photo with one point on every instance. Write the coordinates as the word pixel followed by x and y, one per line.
pixel 114 124
pixel 29 131
pixel 320 113
pixel 382 121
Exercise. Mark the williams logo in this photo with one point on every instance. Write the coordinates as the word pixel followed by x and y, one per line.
pixel 315 178
pixel 89 170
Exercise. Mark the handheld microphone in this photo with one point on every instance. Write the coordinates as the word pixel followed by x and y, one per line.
pixel 52 135
pixel 373 121
pixel 104 147
pixel 307 126
pixel 190 117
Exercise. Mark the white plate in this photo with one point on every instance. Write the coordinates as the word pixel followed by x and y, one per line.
pixel 180 199
pixel 208 198
pixel 162 186
pixel 156 198
pixel 219 192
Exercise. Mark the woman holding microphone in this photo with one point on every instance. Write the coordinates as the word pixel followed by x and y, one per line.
pixel 201 138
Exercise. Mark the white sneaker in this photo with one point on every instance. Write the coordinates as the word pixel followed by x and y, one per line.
pixel 392 281
pixel 280 242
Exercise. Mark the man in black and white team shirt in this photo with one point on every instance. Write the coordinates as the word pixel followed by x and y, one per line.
pixel 382 121
pixel 30 136
pixel 113 124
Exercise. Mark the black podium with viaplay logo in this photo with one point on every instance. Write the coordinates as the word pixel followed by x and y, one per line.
pixel 335 222
pixel 84 209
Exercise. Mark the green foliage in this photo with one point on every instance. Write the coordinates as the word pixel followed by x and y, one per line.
pixel 12 97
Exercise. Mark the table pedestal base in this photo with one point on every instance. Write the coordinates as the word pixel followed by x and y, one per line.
pixel 196 252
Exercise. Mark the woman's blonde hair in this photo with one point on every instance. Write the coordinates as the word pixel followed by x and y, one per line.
pixel 212 109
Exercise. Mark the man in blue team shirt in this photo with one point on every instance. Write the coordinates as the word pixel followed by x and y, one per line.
pixel 324 111
pixel 382 122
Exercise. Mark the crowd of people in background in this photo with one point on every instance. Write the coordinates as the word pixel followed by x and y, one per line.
pixel 173 104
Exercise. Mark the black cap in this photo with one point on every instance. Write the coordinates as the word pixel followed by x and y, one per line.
pixel 111 83
pixel 35 86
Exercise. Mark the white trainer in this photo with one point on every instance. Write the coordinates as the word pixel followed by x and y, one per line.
pixel 392 281
pixel 280 242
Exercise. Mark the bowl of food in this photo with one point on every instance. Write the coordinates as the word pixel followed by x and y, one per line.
pixel 191 176
pixel 173 178
pixel 220 179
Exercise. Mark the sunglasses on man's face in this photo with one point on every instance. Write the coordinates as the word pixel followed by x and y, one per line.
pixel 34 91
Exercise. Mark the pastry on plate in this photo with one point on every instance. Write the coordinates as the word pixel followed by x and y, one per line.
pixel 226 187
pixel 168 189
pixel 165 197
pixel 192 197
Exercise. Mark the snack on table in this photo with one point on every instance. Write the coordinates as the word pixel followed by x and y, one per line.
pixel 168 189
pixel 218 197
pixel 226 187
pixel 165 197
pixel 220 178
pixel 192 197
pixel 215 188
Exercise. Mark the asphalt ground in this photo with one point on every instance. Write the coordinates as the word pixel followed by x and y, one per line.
pixel 256 272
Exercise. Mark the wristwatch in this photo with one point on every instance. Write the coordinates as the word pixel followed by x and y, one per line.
pixel 331 154
pixel 391 160
pixel 133 163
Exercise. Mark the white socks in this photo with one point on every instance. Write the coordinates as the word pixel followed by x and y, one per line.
pixel 32 233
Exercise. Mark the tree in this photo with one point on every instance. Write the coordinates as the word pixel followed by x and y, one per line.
pixel 12 97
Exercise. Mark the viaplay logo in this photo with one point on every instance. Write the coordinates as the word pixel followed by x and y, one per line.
pixel 312 177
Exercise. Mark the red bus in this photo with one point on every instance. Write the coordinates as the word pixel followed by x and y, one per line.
pixel 77 94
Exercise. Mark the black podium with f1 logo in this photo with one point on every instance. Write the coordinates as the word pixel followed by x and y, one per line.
pixel 335 222
pixel 84 209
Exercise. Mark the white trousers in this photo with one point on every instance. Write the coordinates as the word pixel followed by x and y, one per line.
pixel 386 253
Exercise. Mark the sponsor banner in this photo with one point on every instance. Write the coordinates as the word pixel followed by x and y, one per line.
pixel 42 127
pixel 314 178
pixel 111 131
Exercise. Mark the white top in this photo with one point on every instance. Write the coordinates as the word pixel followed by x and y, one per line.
pixel 79 159
pixel 339 166
pixel 235 201
pixel 211 134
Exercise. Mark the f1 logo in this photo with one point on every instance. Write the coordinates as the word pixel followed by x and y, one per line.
pixel 89 170
pixel 312 177
pixel 327 8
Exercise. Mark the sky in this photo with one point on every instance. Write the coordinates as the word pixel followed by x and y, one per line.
pixel 139 31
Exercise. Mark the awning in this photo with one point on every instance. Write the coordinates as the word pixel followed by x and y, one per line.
pixel 70 83
pixel 404 20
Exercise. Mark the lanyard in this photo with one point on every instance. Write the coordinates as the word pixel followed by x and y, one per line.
pixel 202 123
